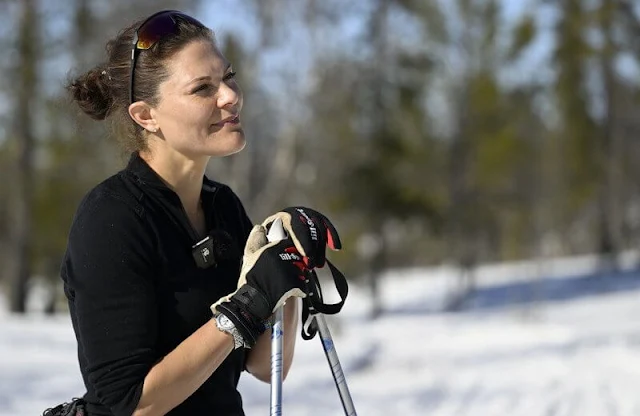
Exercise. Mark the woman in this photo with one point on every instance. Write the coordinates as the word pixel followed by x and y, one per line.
pixel 154 249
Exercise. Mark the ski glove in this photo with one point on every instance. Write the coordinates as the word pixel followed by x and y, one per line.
pixel 271 273
pixel 310 231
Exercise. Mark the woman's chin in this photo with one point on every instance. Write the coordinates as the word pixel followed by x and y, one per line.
pixel 232 143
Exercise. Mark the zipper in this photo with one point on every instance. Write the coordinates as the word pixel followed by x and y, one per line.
pixel 208 222
pixel 190 230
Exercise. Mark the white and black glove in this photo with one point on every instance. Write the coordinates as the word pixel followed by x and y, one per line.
pixel 271 273
pixel 310 231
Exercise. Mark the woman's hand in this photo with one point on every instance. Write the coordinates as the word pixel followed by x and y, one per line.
pixel 310 231
pixel 271 273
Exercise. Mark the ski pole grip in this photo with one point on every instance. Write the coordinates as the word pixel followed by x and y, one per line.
pixel 276 231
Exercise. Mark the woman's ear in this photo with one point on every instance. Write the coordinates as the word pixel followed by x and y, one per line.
pixel 141 113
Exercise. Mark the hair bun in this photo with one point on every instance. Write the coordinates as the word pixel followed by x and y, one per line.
pixel 92 93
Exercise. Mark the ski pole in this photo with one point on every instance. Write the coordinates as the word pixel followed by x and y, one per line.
pixel 276 232
pixel 334 364
pixel 276 362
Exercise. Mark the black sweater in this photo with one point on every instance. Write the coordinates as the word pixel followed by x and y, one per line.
pixel 135 291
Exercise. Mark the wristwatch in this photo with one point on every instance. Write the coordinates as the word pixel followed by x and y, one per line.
pixel 224 324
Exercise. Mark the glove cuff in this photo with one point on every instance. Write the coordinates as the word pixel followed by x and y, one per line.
pixel 247 309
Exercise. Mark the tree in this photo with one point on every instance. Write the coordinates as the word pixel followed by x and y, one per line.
pixel 25 74
pixel 367 144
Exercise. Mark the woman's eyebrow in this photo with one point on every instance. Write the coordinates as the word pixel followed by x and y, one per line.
pixel 202 78
pixel 207 77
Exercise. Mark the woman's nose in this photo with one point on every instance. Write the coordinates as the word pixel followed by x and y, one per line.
pixel 229 94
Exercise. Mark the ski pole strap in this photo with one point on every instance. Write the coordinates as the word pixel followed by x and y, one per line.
pixel 309 329
pixel 314 304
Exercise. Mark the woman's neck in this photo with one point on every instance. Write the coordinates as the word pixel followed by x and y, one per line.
pixel 181 174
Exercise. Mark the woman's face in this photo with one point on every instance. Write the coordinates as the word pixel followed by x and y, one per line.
pixel 198 113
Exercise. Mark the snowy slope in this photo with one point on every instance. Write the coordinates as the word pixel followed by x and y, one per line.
pixel 567 345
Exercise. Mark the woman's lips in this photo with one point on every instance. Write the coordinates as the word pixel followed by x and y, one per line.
pixel 230 120
pixel 234 120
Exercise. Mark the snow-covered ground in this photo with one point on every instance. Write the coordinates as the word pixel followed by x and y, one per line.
pixel 565 344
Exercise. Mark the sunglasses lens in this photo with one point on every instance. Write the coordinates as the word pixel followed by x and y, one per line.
pixel 154 29
pixel 159 26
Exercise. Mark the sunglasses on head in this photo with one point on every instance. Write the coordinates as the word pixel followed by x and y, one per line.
pixel 154 28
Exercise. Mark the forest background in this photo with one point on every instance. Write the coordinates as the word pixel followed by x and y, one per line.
pixel 451 132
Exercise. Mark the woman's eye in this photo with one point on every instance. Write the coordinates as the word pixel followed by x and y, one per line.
pixel 201 88
pixel 230 75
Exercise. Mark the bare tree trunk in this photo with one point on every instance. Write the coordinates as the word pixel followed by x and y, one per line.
pixel 609 244
pixel 21 223
pixel 378 37
pixel 377 264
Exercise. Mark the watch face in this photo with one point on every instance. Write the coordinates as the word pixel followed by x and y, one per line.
pixel 226 325
pixel 225 322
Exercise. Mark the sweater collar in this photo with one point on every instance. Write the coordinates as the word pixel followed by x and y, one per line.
pixel 147 176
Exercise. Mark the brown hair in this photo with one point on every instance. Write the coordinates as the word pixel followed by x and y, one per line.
pixel 103 92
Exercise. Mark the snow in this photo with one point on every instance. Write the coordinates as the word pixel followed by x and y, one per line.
pixel 536 339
